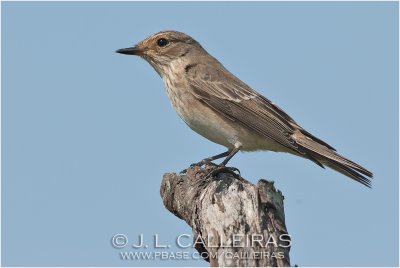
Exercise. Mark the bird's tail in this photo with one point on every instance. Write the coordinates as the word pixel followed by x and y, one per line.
pixel 325 156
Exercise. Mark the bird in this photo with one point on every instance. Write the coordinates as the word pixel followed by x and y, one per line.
pixel 219 106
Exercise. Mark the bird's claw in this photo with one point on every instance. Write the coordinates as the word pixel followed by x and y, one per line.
pixel 200 164
pixel 221 169
pixel 215 168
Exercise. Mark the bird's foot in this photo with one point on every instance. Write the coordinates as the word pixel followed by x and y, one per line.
pixel 203 162
pixel 197 164
pixel 223 169
pixel 214 169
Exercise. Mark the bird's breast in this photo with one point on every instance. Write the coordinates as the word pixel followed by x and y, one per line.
pixel 198 116
pixel 206 121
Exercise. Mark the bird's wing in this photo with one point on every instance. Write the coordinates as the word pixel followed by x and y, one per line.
pixel 232 98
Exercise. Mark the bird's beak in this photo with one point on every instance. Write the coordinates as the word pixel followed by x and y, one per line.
pixel 135 50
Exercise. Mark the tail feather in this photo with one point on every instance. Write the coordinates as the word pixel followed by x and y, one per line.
pixel 330 158
pixel 316 139
pixel 350 173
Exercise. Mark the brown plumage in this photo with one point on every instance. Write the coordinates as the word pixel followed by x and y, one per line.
pixel 219 106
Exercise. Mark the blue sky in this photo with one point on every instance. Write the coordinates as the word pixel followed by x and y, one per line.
pixel 87 133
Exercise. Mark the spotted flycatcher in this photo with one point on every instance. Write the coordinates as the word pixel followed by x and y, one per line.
pixel 219 106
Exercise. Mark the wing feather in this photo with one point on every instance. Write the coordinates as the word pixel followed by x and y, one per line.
pixel 233 99
pixel 229 96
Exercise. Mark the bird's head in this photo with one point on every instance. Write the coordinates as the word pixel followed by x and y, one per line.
pixel 164 47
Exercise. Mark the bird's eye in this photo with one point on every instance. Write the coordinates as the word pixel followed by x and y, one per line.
pixel 162 42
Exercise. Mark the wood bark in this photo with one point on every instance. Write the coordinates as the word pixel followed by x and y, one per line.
pixel 234 222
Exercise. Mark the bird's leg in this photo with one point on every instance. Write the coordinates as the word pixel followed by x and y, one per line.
pixel 211 158
pixel 208 160
pixel 222 168
pixel 230 155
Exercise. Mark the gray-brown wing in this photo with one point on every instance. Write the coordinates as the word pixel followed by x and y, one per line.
pixel 230 97
pixel 235 100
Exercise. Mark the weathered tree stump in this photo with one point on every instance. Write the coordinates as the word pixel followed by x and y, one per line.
pixel 234 222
